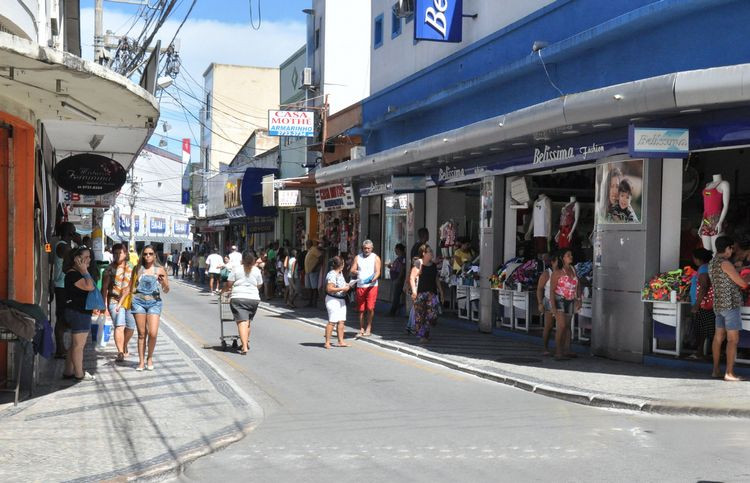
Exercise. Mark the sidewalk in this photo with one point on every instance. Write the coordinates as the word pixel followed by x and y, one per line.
pixel 587 380
pixel 126 424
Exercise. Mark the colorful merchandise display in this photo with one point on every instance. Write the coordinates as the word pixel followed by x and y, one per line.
pixel 660 286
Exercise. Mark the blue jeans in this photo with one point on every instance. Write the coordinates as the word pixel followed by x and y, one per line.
pixel 122 317
pixel 79 322
pixel 149 307
pixel 729 319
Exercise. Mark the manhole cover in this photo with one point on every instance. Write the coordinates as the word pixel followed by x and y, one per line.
pixel 519 360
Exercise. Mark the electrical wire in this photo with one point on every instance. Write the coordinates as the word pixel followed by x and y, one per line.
pixel 252 23
pixel 547 72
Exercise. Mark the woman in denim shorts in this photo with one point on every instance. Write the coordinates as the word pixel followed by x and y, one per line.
pixel 146 303
pixel 115 290
pixel 78 285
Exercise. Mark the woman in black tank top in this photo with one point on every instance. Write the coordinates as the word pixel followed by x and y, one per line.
pixel 427 293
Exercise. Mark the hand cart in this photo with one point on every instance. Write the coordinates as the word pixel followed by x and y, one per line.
pixel 225 315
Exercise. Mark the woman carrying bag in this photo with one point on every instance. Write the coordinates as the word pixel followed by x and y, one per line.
pixel 336 298
pixel 78 286
pixel 116 293
pixel 150 278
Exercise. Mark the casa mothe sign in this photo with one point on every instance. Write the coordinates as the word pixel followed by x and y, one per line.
pixel 439 20
pixel 291 123
pixel 89 174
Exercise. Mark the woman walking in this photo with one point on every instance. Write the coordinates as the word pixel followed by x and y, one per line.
pixel 426 292
pixel 78 285
pixel 292 274
pixel 115 291
pixel 146 303
pixel 544 302
pixel 567 293
pixel 336 290
pixel 245 283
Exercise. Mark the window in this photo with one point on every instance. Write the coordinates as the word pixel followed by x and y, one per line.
pixel 378 31
pixel 395 23
pixel 395 228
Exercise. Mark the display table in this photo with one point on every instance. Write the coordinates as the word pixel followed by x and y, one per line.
pixel 667 324
pixel 524 309
pixel 505 299
pixel 467 302
pixel 745 332
pixel 582 321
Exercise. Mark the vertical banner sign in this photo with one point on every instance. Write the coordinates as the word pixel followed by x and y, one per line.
pixel 438 20
pixel 186 174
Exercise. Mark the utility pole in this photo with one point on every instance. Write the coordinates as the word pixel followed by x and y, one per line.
pixel 99 55
pixel 132 200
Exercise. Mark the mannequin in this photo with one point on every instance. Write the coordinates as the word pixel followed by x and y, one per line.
pixel 568 223
pixel 447 238
pixel 541 224
pixel 715 207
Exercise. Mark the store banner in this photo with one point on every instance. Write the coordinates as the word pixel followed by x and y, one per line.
pixel 289 198
pixel 659 142
pixel 291 123
pixel 376 188
pixel 260 226
pixel 335 197
pixel 125 223
pixel 87 201
pixel 439 20
pixel 157 225
pixel 619 192
pixel 181 227
pixel 408 184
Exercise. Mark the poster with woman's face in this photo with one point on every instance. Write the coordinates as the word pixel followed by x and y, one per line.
pixel 619 192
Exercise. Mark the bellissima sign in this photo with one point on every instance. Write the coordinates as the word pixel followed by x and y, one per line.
pixel 439 20
pixel 291 123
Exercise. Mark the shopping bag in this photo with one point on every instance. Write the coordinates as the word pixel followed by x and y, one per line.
pixel 95 301
pixel 104 333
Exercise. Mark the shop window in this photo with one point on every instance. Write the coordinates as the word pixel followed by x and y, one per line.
pixel 394 228
pixel 395 24
pixel 378 31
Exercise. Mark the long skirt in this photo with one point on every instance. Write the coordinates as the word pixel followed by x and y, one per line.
pixel 425 313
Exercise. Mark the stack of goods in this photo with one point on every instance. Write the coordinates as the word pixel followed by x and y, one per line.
pixel 585 273
pixel 661 285
pixel 469 274
pixel 527 275
pixel 504 271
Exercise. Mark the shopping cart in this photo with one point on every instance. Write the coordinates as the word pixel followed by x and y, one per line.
pixel 225 315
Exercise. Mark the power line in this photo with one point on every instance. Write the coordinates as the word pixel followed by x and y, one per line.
pixel 252 23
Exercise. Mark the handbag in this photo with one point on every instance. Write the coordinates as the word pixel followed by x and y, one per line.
pixel 95 301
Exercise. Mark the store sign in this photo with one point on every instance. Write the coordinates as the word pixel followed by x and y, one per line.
pixel 260 226
pixel 452 174
pixel 220 222
pixel 266 189
pixel 408 184
pixel 291 123
pixel 125 223
pixel 89 174
pixel 658 142
pixel 335 197
pixel 157 226
pixel 439 20
pixel 547 153
pixel 87 201
pixel 375 188
pixel 289 198
pixel 181 227
pixel 201 210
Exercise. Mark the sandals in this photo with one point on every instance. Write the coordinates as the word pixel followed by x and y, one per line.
pixel 86 377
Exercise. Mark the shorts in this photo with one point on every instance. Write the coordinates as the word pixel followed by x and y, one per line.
pixel 142 306
pixel 336 309
pixel 123 317
pixel 243 309
pixel 545 304
pixel 366 298
pixel 311 280
pixel 214 276
pixel 567 307
pixel 79 322
pixel 729 319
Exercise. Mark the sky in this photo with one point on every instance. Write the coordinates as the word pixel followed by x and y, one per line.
pixel 216 31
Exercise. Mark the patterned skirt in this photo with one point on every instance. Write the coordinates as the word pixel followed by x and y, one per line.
pixel 425 313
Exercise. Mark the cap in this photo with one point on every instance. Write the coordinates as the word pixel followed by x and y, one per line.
pixel 234 247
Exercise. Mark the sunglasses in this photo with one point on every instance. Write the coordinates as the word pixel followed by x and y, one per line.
pixel 148 254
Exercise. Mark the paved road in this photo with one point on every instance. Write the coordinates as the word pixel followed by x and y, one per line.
pixel 365 414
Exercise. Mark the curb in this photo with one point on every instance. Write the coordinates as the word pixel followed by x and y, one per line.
pixel 599 400
pixel 155 468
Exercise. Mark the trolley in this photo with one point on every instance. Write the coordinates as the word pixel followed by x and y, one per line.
pixel 225 315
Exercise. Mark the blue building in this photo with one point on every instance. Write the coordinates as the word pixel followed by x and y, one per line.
pixel 549 107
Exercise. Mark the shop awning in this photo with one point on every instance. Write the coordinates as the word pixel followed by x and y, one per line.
pixel 586 112
pixel 249 185
pixel 83 106
pixel 152 239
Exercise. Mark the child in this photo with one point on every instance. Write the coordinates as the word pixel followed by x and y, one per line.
pixel 622 212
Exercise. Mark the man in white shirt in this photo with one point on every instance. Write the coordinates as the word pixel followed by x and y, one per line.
pixel 235 257
pixel 214 262
pixel 366 268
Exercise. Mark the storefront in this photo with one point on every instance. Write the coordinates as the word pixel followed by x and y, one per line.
pixel 338 221
pixel 252 224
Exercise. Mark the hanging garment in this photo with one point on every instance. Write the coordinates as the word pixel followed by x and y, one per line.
pixel 567 219
pixel 713 204
pixel 541 215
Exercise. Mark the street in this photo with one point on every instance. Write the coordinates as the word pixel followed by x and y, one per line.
pixel 366 414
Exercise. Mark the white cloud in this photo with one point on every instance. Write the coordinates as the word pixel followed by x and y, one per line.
pixel 205 41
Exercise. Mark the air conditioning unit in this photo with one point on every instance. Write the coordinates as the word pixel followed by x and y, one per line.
pixel 404 8
pixel 307 78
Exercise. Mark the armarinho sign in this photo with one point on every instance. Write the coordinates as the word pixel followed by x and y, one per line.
pixel 438 20
pixel 291 123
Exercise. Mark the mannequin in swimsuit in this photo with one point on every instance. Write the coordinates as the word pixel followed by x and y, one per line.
pixel 715 207
pixel 567 227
